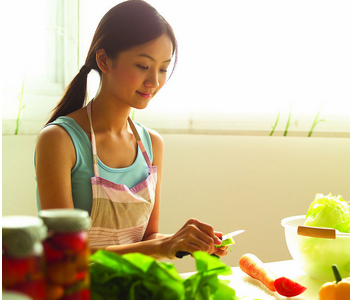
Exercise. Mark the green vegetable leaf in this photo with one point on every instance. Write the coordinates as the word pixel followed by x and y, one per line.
pixel 229 241
pixel 136 276
pixel 205 284
pixel 329 212
pixel 132 276
pixel 207 263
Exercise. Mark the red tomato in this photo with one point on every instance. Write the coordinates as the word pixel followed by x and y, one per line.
pixel 76 241
pixel 52 253
pixel 81 295
pixel 288 288
pixel 35 289
pixel 81 275
pixel 15 270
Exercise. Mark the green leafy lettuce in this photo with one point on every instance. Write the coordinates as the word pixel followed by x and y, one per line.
pixel 205 284
pixel 136 276
pixel 329 212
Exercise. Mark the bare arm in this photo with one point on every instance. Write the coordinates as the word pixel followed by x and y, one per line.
pixel 55 157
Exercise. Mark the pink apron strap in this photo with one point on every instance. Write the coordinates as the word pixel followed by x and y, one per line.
pixel 93 142
pixel 139 142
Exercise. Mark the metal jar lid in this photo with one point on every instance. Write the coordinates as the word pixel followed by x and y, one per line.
pixel 21 235
pixel 65 220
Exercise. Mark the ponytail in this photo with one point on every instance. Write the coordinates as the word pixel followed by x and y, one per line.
pixel 74 97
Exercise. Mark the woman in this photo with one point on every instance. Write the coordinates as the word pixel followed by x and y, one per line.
pixel 95 158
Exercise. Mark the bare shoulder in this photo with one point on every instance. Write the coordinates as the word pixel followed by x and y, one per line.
pixel 157 146
pixel 54 141
pixel 157 140
pixel 53 134
pixel 57 135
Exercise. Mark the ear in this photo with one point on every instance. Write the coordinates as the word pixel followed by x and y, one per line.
pixel 102 60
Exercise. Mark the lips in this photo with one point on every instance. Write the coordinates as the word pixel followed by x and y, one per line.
pixel 145 95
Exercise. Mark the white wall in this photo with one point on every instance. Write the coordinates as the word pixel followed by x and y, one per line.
pixel 231 182
pixel 18 181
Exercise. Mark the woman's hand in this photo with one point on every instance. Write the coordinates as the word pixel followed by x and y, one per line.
pixel 193 236
pixel 222 251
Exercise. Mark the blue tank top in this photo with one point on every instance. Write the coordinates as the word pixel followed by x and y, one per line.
pixel 83 168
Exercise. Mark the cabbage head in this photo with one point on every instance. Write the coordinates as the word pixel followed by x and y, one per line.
pixel 329 212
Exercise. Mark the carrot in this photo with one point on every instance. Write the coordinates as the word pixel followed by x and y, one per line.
pixel 255 268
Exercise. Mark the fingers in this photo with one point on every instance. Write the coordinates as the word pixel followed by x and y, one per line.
pixel 195 236
pixel 207 229
pixel 219 234
pixel 205 233
pixel 222 251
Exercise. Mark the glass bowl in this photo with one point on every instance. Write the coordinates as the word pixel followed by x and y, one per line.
pixel 315 255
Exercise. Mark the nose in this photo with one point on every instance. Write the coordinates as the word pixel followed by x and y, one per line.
pixel 152 81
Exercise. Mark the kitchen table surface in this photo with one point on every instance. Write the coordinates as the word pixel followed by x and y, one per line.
pixel 246 286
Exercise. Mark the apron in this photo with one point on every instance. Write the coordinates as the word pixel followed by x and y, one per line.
pixel 120 215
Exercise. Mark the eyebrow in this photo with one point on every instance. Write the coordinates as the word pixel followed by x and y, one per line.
pixel 151 58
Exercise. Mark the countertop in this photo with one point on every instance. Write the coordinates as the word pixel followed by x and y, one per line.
pixel 250 289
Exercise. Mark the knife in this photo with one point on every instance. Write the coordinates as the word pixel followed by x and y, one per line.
pixel 181 254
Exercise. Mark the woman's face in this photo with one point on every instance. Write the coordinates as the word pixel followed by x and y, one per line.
pixel 137 74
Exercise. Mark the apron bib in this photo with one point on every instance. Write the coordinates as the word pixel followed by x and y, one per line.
pixel 120 215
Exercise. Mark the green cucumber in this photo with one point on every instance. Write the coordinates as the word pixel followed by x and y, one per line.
pixel 227 242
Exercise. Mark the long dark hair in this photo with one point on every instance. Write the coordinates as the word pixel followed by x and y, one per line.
pixel 124 26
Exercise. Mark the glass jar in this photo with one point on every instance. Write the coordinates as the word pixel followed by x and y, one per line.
pixel 67 254
pixel 22 256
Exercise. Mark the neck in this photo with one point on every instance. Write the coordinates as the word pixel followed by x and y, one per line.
pixel 109 115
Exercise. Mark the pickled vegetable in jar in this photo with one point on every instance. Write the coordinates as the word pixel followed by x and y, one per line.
pixel 67 254
pixel 22 256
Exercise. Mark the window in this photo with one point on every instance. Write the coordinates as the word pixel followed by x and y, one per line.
pixel 40 55
pixel 244 66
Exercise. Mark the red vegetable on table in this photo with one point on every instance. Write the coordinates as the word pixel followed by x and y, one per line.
pixel 288 288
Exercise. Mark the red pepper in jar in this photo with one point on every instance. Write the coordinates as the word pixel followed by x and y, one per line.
pixel 67 254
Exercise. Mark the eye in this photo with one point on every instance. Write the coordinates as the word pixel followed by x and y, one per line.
pixel 142 67
pixel 164 70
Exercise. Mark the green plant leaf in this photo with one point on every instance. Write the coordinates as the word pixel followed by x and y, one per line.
pixel 288 122
pixel 20 106
pixel 276 122
pixel 133 276
pixel 316 121
pixel 205 262
pixel 137 276
pixel 205 284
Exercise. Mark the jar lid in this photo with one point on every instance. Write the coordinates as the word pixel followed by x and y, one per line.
pixel 66 220
pixel 21 233
pixel 10 295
